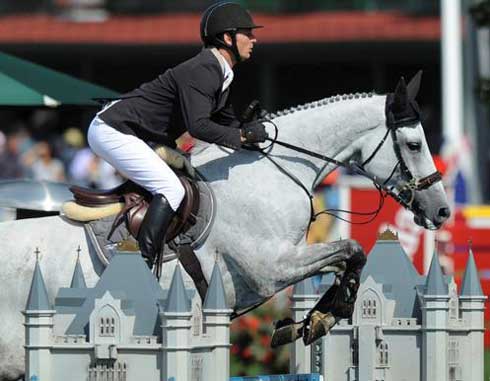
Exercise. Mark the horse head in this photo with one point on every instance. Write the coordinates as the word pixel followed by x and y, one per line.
pixel 405 168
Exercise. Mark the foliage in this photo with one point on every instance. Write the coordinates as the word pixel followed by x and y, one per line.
pixel 251 353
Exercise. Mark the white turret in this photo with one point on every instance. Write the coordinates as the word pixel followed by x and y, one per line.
pixel 435 317
pixel 217 325
pixel 472 307
pixel 176 332
pixel 303 299
pixel 38 329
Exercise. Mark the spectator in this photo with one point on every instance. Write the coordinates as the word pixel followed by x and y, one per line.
pixel 10 166
pixel 68 145
pixel 43 165
pixel 86 169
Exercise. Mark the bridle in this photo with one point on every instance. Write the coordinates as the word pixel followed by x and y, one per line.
pixel 403 192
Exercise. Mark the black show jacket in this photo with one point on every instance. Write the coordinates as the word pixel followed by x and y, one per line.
pixel 188 97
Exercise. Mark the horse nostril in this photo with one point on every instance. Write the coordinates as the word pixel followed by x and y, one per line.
pixel 444 212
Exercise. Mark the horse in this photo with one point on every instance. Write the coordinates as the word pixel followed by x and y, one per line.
pixel 263 211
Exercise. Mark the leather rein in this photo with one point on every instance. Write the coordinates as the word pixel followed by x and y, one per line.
pixel 403 192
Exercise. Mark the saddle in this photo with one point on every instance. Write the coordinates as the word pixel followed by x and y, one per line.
pixel 129 202
pixel 136 200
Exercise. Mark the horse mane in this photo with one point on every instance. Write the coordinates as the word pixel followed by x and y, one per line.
pixel 316 104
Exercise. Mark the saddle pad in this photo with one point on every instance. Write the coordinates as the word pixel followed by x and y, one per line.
pixel 98 230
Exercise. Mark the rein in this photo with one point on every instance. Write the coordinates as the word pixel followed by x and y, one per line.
pixel 351 166
pixel 403 192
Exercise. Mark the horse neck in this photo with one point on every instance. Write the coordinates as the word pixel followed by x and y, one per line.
pixel 331 128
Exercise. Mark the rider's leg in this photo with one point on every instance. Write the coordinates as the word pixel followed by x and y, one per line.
pixel 134 159
pixel 154 227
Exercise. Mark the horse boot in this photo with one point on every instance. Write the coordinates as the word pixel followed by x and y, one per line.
pixel 336 304
pixel 151 236
pixel 286 331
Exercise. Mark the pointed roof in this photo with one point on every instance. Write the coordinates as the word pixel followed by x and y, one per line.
pixel 78 280
pixel 435 284
pixel 38 299
pixel 177 300
pixel 127 278
pixel 305 287
pixel 388 264
pixel 215 297
pixel 70 300
pixel 471 282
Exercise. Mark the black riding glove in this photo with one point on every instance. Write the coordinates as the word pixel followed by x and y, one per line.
pixel 254 132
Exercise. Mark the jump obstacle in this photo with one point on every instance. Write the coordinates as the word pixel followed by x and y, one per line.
pixel 127 327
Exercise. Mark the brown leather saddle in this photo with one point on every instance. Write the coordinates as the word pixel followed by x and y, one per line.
pixel 136 200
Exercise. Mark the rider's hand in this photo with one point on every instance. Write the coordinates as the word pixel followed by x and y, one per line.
pixel 253 132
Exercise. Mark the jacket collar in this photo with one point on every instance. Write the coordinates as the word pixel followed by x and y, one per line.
pixel 226 69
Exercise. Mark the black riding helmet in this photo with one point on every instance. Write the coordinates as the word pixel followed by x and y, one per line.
pixel 225 17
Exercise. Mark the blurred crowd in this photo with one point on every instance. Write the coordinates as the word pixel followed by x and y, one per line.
pixel 61 157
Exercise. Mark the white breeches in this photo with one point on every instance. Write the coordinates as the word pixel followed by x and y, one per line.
pixel 134 159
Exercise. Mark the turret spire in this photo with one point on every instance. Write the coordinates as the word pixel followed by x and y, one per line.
pixel 471 282
pixel 177 300
pixel 435 285
pixel 78 280
pixel 38 299
pixel 215 297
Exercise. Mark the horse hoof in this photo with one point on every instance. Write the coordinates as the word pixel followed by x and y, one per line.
pixel 286 331
pixel 320 325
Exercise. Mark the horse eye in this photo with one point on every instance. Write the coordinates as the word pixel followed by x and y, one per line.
pixel 414 146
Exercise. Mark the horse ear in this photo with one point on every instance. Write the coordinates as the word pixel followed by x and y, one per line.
pixel 400 96
pixel 414 85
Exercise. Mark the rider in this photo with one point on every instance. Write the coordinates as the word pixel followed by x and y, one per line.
pixel 193 97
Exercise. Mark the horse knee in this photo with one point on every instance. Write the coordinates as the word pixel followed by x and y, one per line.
pixel 357 257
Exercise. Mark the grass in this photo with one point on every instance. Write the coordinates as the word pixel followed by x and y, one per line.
pixel 486 361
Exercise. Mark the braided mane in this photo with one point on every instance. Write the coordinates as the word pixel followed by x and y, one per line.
pixel 321 102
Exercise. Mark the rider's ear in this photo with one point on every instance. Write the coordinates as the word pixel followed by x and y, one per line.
pixel 227 39
pixel 414 85
pixel 400 97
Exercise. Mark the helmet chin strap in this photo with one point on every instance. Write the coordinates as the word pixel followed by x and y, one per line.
pixel 233 48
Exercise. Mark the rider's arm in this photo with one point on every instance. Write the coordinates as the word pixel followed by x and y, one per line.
pixel 226 116
pixel 197 95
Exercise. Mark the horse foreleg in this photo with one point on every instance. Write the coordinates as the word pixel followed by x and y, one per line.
pixel 347 259
pixel 338 301
pixel 321 258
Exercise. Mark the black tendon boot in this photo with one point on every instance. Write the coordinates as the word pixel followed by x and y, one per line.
pixel 154 227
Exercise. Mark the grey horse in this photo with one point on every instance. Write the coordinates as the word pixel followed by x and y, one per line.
pixel 262 215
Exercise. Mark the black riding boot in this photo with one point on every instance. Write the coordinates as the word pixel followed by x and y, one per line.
pixel 154 227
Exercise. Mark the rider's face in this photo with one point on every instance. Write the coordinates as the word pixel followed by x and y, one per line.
pixel 245 41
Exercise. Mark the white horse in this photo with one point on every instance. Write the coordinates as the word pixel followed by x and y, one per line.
pixel 262 214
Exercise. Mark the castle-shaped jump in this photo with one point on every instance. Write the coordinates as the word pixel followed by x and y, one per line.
pixel 127 327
